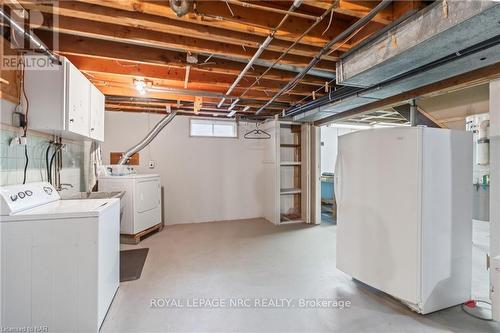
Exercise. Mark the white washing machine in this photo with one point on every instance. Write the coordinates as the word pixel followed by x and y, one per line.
pixel 60 259
pixel 141 202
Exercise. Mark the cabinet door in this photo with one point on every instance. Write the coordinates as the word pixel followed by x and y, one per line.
pixel 96 114
pixel 78 102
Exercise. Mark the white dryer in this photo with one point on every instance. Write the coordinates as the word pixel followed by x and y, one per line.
pixel 141 202
pixel 60 259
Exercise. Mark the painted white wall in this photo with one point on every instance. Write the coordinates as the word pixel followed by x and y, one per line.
pixel 329 146
pixel 204 179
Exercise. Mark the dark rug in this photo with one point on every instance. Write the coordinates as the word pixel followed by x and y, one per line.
pixel 131 264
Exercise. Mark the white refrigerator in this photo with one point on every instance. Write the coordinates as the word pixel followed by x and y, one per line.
pixel 404 219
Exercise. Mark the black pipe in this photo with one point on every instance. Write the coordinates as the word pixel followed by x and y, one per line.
pixel 343 35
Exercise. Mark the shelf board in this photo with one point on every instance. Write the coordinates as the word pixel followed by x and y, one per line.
pixel 290 145
pixel 290 163
pixel 292 221
pixel 285 191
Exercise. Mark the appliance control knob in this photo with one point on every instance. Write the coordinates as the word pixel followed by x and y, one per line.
pixel 28 193
pixel 21 195
pixel 47 190
pixel 13 197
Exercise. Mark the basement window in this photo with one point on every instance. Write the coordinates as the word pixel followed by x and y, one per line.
pixel 213 128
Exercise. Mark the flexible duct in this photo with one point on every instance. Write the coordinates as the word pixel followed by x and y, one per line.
pixel 149 137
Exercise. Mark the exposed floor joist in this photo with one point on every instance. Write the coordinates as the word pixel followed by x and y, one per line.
pixel 115 42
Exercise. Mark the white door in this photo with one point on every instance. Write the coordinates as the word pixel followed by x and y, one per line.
pixel 376 186
pixel 96 114
pixel 148 195
pixel 78 90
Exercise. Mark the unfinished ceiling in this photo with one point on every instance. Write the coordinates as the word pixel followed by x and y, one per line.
pixel 447 109
pixel 451 109
pixel 196 62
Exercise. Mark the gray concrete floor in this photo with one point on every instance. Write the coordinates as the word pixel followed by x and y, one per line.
pixel 255 259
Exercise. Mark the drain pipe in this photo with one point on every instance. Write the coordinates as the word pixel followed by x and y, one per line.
pixel 259 51
pixel 358 24
pixel 149 137
pixel 30 35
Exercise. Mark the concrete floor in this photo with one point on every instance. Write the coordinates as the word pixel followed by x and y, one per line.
pixel 255 259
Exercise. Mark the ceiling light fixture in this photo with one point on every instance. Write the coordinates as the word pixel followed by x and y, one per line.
pixel 140 86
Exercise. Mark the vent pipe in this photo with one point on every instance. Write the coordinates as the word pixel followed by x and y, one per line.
pixel 151 135
pixel 180 7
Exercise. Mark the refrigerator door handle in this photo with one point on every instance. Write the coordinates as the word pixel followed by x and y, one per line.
pixel 337 179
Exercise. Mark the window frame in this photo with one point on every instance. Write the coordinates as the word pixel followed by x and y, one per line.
pixel 233 122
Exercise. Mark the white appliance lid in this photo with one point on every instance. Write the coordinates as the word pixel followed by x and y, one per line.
pixel 131 176
pixel 63 209
pixel 16 198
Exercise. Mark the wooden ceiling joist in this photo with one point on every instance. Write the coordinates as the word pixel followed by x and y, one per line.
pixel 146 102
pixel 69 44
pixel 132 70
pixel 122 80
pixel 115 42
pixel 149 22
pixel 355 8
pixel 136 36
pixel 246 20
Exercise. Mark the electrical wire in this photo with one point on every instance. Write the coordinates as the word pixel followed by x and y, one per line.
pixel 26 114
pixel 473 315
pixel 58 148
pixel 25 164
pixel 40 157
pixel 47 161
pixel 25 128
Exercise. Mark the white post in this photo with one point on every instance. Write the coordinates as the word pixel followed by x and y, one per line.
pixel 495 198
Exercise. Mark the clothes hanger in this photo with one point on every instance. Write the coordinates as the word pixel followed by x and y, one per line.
pixel 257 133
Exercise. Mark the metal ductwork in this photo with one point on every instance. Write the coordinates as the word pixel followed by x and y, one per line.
pixel 180 7
pixel 422 39
pixel 428 47
pixel 148 138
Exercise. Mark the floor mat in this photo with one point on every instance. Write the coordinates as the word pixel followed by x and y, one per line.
pixel 131 264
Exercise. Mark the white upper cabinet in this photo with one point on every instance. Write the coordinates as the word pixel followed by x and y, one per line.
pixel 64 102
pixel 78 99
pixel 96 114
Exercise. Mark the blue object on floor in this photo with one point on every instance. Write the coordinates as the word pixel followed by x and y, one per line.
pixel 327 189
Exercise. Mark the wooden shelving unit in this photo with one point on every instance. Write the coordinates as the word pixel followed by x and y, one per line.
pixel 290 173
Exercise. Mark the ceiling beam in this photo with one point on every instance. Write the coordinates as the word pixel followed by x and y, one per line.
pixel 355 9
pixel 246 20
pixel 136 70
pixel 114 79
pixel 75 45
pixel 164 25
pixel 136 36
